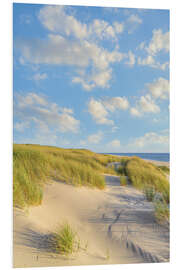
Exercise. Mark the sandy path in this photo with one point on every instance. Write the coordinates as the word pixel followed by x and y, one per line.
pixel 118 221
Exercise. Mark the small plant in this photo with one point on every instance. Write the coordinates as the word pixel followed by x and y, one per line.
pixel 150 193
pixel 107 254
pixel 123 180
pixel 65 240
pixel 161 211
pixel 86 246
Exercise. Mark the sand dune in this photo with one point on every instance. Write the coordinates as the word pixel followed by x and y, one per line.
pixel 118 221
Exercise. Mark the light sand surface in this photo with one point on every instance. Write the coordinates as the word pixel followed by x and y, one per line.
pixel 118 221
pixel 158 163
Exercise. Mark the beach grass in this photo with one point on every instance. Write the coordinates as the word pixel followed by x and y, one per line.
pixel 149 193
pixel 161 211
pixel 165 169
pixel 142 174
pixel 123 180
pixel 34 165
pixel 65 240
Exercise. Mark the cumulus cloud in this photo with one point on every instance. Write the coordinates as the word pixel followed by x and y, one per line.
pixel 131 59
pixel 132 22
pixel 150 139
pixel 99 112
pixel 159 88
pixel 116 103
pixel 135 112
pixel 40 76
pixel 36 110
pixel 115 144
pixel 57 20
pixel 100 109
pixel 145 104
pixel 95 138
pixel 152 62
pixel 159 42
pixel 71 42
pixel 57 50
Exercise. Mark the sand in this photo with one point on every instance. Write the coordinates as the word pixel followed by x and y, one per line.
pixel 117 221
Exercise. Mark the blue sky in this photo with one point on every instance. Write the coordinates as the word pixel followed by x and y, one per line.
pixel 91 77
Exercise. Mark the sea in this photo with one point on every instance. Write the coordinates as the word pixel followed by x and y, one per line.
pixel 152 156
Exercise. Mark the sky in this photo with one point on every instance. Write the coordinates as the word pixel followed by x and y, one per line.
pixel 91 77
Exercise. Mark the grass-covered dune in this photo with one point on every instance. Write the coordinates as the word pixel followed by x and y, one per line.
pixel 144 174
pixel 34 165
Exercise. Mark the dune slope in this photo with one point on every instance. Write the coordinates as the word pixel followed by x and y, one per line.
pixel 117 223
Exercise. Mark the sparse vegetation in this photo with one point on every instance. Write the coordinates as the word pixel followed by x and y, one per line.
pixel 107 254
pixel 34 165
pixel 162 211
pixel 65 240
pixel 149 193
pixel 123 180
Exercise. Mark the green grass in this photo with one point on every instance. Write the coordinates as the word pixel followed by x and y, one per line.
pixel 123 180
pixel 34 165
pixel 65 240
pixel 165 169
pixel 161 212
pixel 149 193
pixel 143 174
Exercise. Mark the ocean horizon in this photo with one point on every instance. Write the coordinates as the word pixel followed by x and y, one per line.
pixel 152 156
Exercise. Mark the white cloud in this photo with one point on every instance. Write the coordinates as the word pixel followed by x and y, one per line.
pixel 46 116
pixel 119 27
pixel 159 88
pixel 131 61
pixel 116 103
pixel 145 104
pixel 21 126
pixel 114 144
pixel 99 112
pixel 132 22
pixel 159 42
pixel 135 19
pixel 40 76
pixel 77 44
pixel 135 112
pixel 95 138
pixel 150 139
pixel 57 50
pixel 92 139
pixel 100 109
pixel 57 20
pixel 150 61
